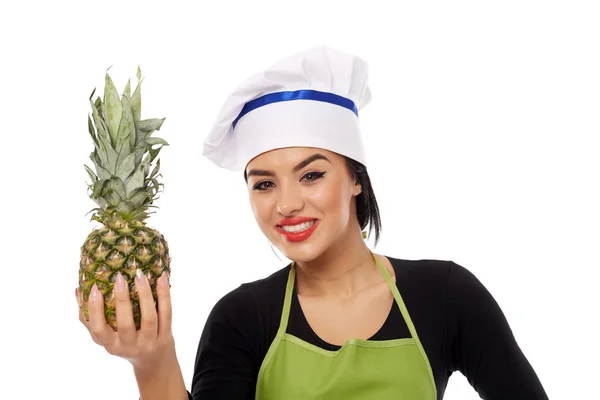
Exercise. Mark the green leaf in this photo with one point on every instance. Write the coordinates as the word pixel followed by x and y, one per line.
pixel 102 172
pixel 112 108
pixel 91 130
pixel 113 198
pixel 131 118
pixel 149 125
pixel 152 153
pixel 135 182
pixel 155 186
pixel 154 140
pixel 98 186
pixel 123 151
pixel 139 154
pixel 139 74
pixel 156 169
pixel 101 202
pixel 127 90
pixel 139 198
pixel 126 130
pixel 91 173
pixel 139 215
pixel 115 184
pixel 126 167
pixel 126 207
pixel 111 155
pixel 100 127
pixel 136 103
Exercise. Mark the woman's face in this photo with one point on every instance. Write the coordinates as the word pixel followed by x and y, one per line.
pixel 302 198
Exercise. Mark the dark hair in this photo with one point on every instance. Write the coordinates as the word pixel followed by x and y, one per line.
pixel 367 209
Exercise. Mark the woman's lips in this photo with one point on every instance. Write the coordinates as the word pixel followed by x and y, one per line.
pixel 294 221
pixel 297 236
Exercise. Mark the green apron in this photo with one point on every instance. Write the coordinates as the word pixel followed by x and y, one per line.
pixel 361 369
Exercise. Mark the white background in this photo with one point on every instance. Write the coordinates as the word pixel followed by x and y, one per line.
pixel 482 138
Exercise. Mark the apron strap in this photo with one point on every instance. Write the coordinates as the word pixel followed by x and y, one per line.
pixel 405 314
pixel 397 297
pixel 287 300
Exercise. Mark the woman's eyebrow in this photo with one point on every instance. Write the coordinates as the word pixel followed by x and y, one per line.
pixel 264 172
pixel 310 159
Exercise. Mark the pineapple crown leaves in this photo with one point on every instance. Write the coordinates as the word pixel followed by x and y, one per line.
pixel 123 154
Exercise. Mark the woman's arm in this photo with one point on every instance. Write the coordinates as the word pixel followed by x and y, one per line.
pixel 229 351
pixel 163 382
pixel 483 347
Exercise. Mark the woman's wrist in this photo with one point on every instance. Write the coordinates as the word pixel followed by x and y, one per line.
pixel 161 380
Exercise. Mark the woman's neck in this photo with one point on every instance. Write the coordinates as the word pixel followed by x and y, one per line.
pixel 345 268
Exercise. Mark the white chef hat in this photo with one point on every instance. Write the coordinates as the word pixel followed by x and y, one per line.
pixel 310 99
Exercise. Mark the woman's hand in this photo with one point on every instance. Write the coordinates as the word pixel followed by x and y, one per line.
pixel 144 348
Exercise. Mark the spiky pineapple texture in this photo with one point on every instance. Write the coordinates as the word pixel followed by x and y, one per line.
pixel 124 188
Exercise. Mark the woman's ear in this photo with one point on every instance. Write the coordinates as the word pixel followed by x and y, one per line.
pixel 357 189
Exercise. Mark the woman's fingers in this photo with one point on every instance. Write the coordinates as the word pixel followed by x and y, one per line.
pixel 163 292
pixel 149 324
pixel 84 322
pixel 137 347
pixel 97 321
pixel 82 317
pixel 124 312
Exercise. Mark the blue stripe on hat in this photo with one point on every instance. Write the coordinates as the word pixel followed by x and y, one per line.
pixel 297 95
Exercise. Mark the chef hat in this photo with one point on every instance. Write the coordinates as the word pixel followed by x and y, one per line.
pixel 310 99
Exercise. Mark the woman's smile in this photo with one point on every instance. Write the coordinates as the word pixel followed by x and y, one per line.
pixel 297 229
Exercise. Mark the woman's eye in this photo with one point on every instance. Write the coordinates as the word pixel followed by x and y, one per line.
pixel 263 185
pixel 313 176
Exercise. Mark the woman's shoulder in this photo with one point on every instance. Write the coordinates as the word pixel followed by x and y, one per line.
pixel 424 268
pixel 430 274
pixel 265 288
pixel 427 266
pixel 258 297
pixel 450 282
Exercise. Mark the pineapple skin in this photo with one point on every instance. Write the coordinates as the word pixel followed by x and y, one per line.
pixel 124 247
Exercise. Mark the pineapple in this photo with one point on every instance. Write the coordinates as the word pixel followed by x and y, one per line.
pixel 124 189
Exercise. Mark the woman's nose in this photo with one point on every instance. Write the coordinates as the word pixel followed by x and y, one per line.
pixel 290 200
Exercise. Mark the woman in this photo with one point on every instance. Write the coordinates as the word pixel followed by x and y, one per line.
pixel 339 322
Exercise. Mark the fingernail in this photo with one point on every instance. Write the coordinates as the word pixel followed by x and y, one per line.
pixel 140 277
pixel 119 283
pixel 94 293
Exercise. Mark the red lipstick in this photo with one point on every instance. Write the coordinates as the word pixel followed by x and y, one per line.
pixel 297 236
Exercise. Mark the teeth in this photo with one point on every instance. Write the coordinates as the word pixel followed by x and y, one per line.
pixel 298 228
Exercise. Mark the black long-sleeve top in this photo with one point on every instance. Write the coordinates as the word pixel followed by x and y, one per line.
pixel 460 325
